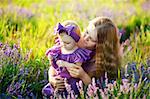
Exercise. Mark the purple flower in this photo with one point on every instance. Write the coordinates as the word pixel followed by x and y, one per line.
pixel 1 44
pixel 48 1
pixel 106 78
pixel 38 73
pixel 68 86
pixel 104 96
pixel 26 71
pixel 92 88
pixel 72 95
pixel 132 10
pixel 80 86
pixel 107 12
pixel 148 62
pixel 90 91
pixel 10 89
pixel 146 5
pixel 19 97
pixel 17 85
pixel 122 32
pixel 45 74
pixel 1 11
pixel 136 86
pixel 7 52
pixel 16 46
pixel 25 12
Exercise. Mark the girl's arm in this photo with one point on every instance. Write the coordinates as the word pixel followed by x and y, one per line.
pixel 76 71
pixel 51 72
pixel 56 81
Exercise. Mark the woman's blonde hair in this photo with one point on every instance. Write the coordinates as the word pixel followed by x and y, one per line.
pixel 107 48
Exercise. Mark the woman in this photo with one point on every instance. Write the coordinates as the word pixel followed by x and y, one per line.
pixel 100 37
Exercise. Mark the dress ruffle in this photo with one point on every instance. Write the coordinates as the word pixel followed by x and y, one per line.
pixel 54 51
pixel 79 55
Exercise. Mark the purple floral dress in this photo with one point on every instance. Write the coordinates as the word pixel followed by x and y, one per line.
pixel 79 55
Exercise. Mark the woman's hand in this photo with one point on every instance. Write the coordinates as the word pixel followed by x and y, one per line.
pixel 75 70
pixel 78 72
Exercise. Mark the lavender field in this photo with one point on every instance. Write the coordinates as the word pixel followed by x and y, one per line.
pixel 26 32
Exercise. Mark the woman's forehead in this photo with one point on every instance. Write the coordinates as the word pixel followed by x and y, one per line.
pixel 92 31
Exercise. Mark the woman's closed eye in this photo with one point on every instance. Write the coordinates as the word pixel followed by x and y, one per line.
pixel 67 42
pixel 92 39
pixel 86 33
pixel 88 38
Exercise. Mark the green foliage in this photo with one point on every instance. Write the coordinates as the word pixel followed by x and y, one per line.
pixel 30 24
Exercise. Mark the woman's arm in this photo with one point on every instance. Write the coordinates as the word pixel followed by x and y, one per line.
pixel 76 71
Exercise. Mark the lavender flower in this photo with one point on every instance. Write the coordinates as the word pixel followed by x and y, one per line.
pixel 146 5
pixel 45 74
pixel 103 95
pixel 25 12
pixel 92 89
pixel 1 44
pixel 80 86
pixel 148 62
pixel 9 55
pixel 17 85
pixel 108 12
pixel 122 32
pixel 68 87
pixel 1 11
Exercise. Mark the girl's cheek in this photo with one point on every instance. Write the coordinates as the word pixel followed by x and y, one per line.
pixel 81 43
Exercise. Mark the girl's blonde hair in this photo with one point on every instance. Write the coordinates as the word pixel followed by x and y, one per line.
pixel 71 22
pixel 107 48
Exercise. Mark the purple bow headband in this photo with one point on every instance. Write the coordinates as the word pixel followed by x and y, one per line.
pixel 69 30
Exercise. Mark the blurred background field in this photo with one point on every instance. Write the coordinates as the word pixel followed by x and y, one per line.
pixel 26 32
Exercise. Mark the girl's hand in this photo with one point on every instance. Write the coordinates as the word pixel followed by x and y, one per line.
pixel 77 71
pixel 60 63
pixel 57 82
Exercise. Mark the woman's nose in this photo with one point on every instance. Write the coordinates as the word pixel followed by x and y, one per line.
pixel 86 37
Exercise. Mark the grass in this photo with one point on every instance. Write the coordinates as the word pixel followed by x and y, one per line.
pixel 30 25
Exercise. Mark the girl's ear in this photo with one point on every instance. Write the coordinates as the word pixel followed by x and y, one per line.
pixel 77 30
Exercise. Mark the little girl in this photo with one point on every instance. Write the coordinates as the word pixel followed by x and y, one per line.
pixel 67 50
